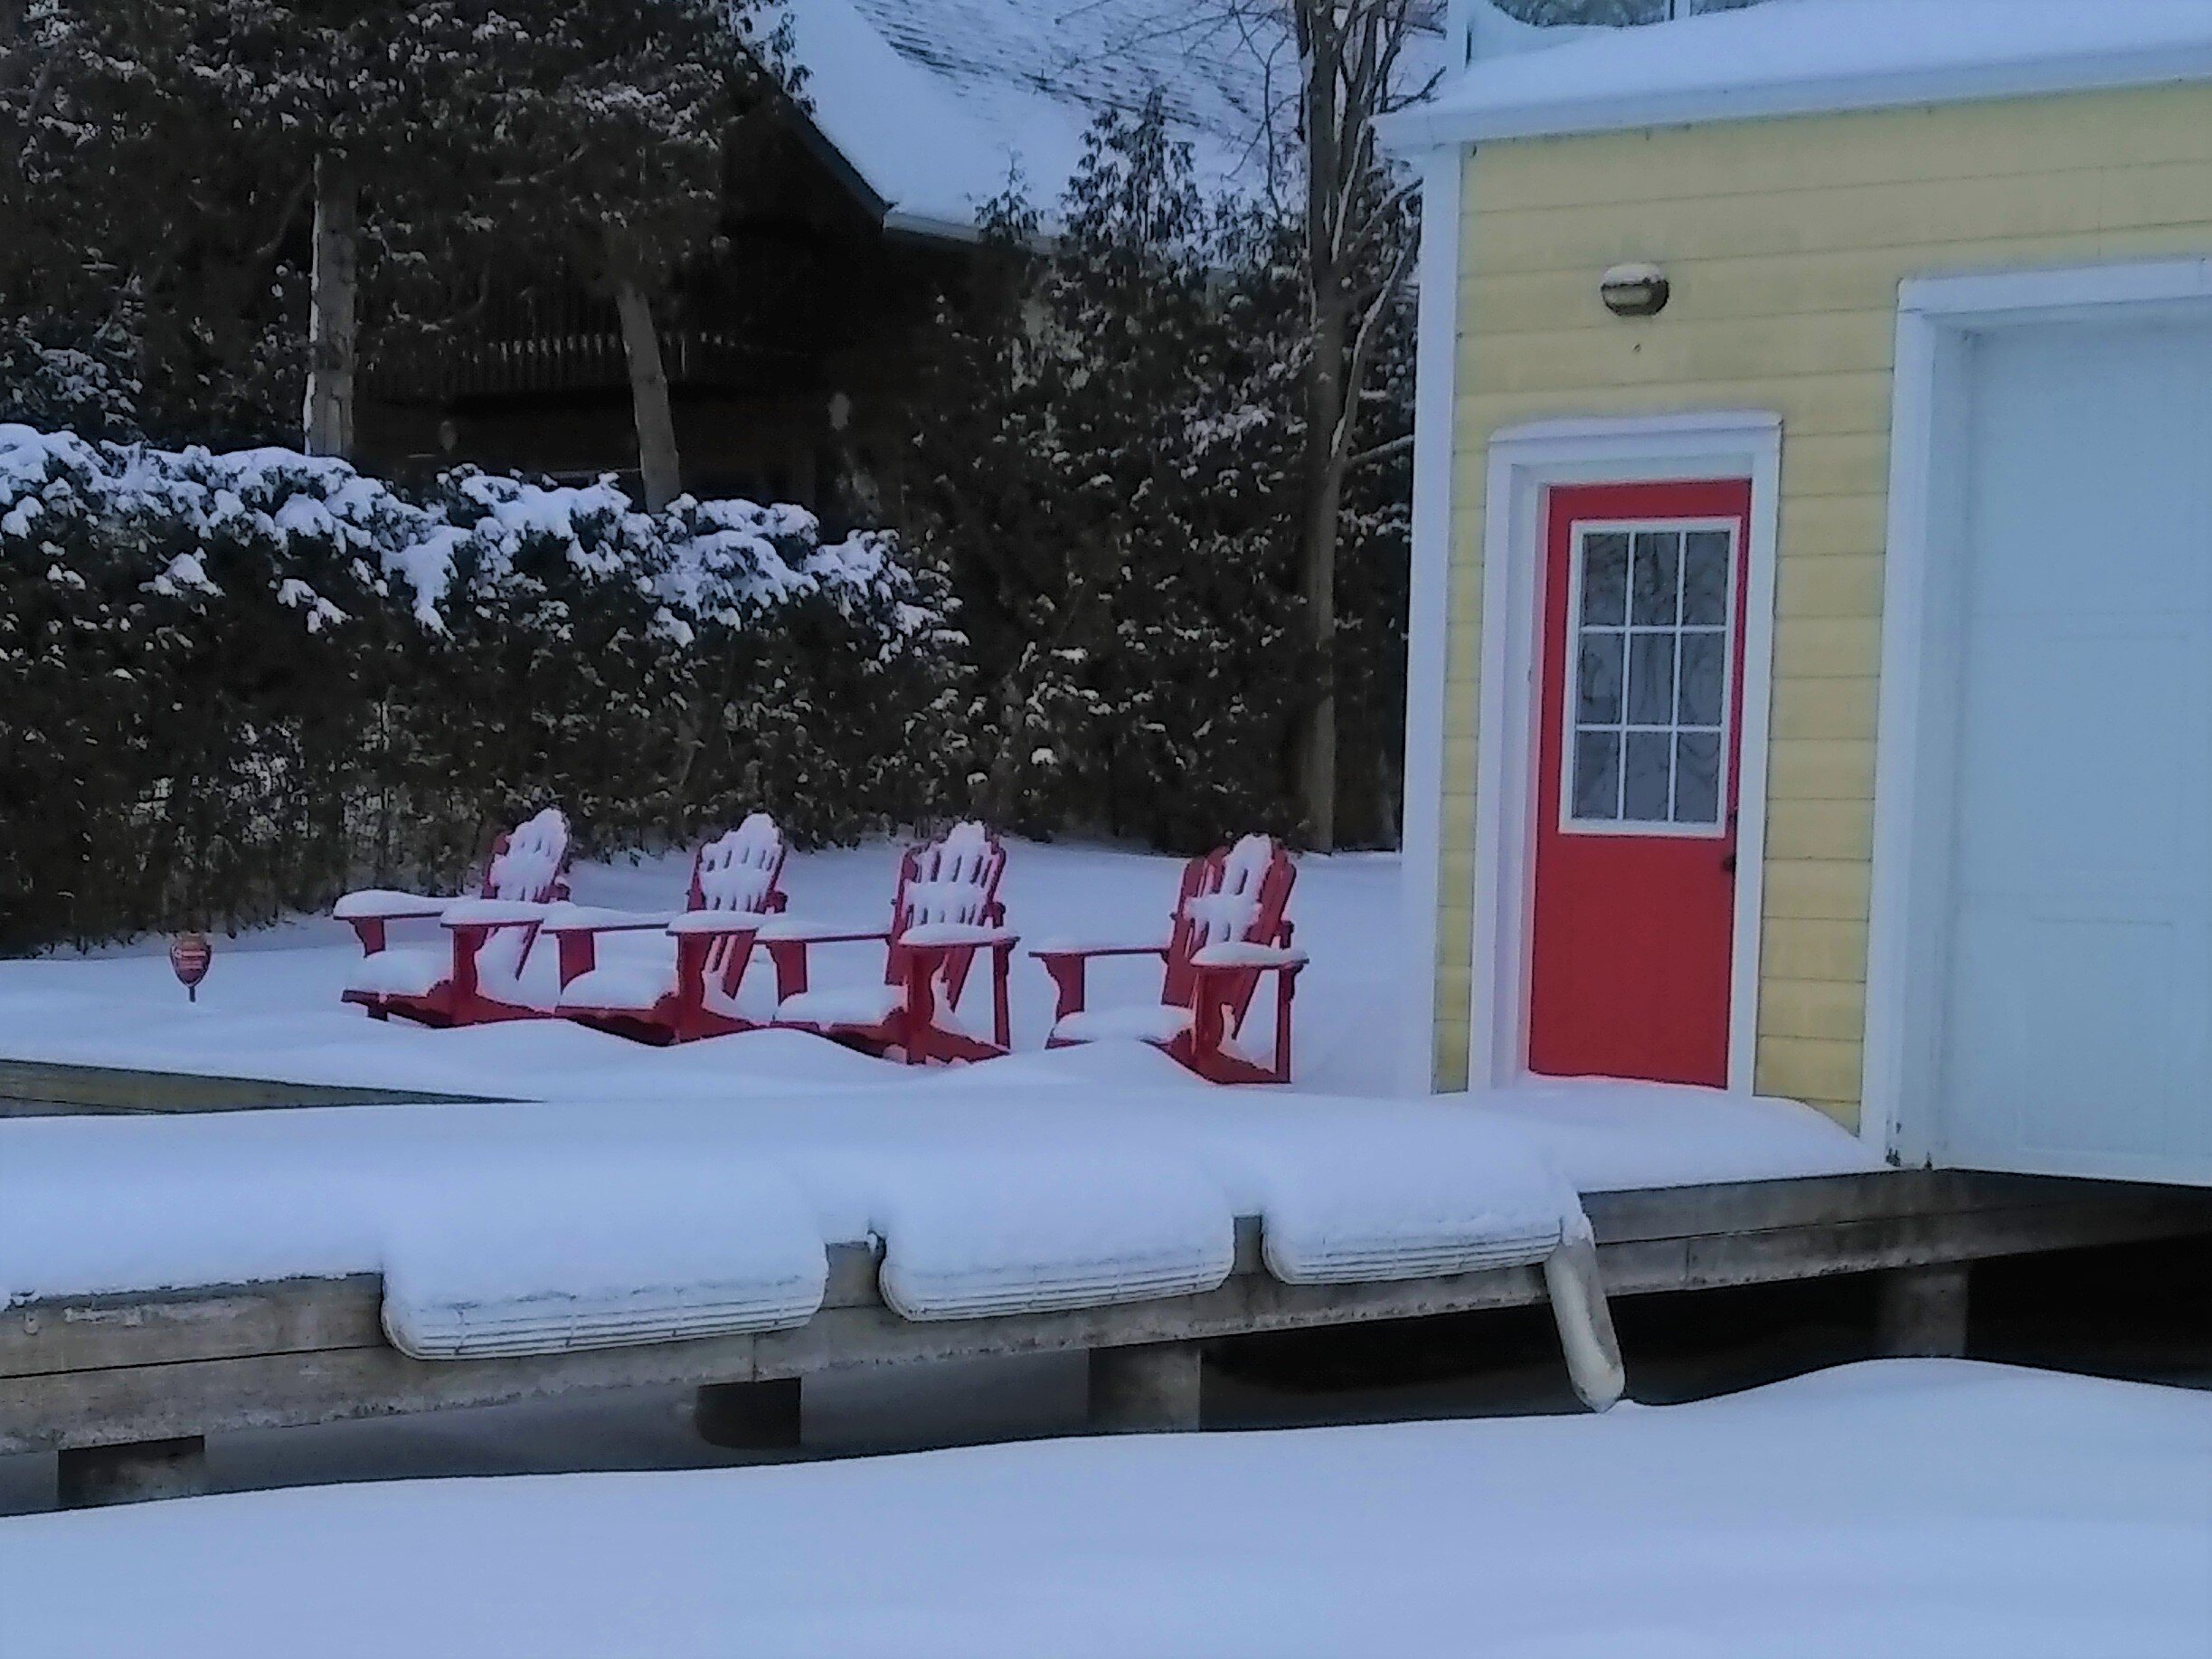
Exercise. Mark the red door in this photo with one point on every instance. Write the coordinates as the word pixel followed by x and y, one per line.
pixel 1642 699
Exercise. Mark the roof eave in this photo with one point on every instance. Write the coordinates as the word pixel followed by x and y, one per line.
pixel 1415 130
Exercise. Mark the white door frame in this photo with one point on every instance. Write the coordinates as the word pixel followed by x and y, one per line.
pixel 1938 319
pixel 1526 461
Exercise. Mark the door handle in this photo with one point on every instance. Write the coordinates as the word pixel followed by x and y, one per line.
pixel 1727 864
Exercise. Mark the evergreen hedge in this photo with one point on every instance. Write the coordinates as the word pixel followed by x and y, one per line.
pixel 235 685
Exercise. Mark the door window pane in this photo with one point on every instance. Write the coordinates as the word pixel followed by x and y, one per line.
pixel 1651 648
pixel 1657 578
pixel 1696 778
pixel 1651 680
pixel 1597 776
pixel 1599 702
pixel 1705 578
pixel 1704 679
pixel 1605 580
pixel 1647 776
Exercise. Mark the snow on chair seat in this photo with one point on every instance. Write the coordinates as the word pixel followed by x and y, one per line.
pixel 1138 1023
pixel 477 972
pixel 1228 929
pixel 552 1259
pixel 405 971
pixel 843 1005
pixel 629 987
pixel 944 911
pixel 673 978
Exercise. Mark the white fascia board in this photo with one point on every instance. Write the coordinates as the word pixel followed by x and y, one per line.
pixel 1428 620
pixel 1427 127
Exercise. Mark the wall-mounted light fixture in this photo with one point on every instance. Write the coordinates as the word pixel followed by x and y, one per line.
pixel 1635 290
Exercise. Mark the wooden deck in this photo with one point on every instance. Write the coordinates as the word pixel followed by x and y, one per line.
pixel 114 1370
pixel 42 1088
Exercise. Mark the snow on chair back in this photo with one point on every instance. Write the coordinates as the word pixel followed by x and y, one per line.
pixel 739 871
pixel 527 864
pixel 955 879
pixel 1234 894
pixel 528 861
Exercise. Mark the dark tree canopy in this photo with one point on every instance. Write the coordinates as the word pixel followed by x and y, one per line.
pixel 160 160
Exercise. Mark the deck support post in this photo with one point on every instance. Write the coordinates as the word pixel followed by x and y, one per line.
pixel 1151 1387
pixel 92 1475
pixel 1921 1311
pixel 749 1417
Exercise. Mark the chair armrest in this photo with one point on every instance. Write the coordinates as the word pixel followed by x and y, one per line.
pixel 1243 953
pixel 930 935
pixel 593 919
pixel 384 905
pixel 1060 949
pixel 492 912
pixel 715 923
pixel 797 930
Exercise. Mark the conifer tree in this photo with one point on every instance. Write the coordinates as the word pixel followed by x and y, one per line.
pixel 235 168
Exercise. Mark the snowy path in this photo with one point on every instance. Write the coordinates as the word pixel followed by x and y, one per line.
pixel 1906 1509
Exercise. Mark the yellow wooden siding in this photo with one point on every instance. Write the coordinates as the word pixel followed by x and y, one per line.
pixel 1785 242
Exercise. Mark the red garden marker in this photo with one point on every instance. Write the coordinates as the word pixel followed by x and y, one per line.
pixel 189 956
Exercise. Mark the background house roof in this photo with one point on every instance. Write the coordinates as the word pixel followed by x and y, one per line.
pixel 936 105
pixel 1795 57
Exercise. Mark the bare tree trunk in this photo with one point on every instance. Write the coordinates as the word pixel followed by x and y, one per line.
pixel 1320 49
pixel 1317 575
pixel 659 466
pixel 332 324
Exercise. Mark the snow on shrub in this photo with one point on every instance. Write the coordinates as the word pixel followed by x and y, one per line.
pixel 237 682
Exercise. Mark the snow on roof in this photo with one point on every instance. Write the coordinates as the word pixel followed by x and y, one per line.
pixel 1797 57
pixel 937 105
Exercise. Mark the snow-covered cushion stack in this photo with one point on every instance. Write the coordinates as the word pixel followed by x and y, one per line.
pixel 1452 1194
pixel 992 1233
pixel 558 1258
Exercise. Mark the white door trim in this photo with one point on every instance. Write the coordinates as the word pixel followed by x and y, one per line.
pixel 1524 463
pixel 1429 619
pixel 1938 319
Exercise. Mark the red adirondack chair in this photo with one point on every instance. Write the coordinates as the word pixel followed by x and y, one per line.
pixel 946 909
pixel 673 978
pixel 1228 929
pixel 474 975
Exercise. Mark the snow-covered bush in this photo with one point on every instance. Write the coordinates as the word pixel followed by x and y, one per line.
pixel 234 683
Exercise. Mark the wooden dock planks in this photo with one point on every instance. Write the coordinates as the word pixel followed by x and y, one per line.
pixel 113 1369
pixel 44 1088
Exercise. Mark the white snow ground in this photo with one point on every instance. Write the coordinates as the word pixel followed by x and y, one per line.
pixel 1907 1509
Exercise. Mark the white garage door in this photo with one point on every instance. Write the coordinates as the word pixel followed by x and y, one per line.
pixel 2077 1036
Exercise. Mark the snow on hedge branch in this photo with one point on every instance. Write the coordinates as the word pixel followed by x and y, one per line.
pixel 236 684
pixel 725 561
